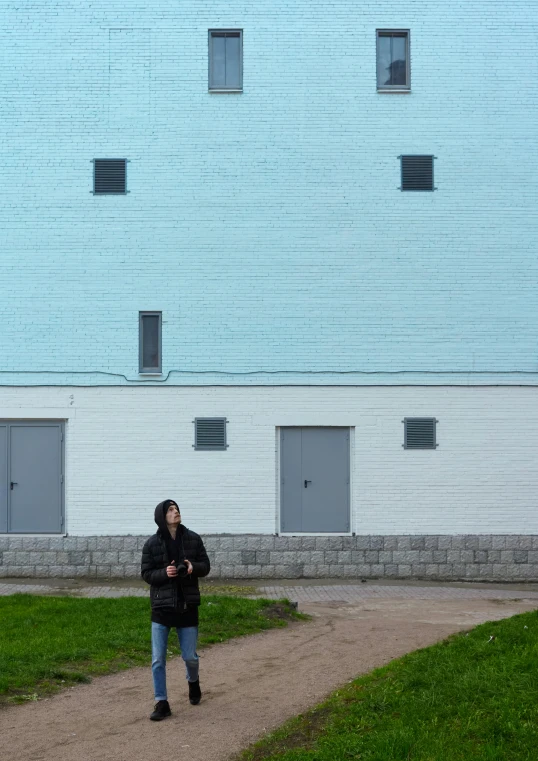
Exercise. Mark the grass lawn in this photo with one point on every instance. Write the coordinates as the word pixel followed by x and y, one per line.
pixel 469 698
pixel 51 642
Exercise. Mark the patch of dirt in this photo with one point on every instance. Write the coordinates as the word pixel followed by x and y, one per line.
pixel 250 685
pixel 279 611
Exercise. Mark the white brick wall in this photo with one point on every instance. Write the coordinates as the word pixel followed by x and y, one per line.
pixel 128 448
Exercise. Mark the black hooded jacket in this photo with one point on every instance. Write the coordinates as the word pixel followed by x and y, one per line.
pixel 155 559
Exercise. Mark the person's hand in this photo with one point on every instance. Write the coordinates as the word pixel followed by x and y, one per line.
pixel 171 569
pixel 189 566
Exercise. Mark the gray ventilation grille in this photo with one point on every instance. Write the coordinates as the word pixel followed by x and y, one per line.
pixel 109 176
pixel 210 433
pixel 419 433
pixel 417 172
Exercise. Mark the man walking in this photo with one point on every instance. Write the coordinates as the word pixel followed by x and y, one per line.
pixel 173 560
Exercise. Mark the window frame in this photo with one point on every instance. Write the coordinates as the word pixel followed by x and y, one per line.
pixel 224 32
pixel 149 370
pixel 122 193
pixel 388 33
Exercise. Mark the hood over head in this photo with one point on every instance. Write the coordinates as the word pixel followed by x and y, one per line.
pixel 160 513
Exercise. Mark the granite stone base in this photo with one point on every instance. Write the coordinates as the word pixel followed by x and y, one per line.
pixel 251 556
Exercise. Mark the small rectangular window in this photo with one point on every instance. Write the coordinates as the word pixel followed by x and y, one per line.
pixel 109 176
pixel 150 341
pixel 393 71
pixel 226 60
pixel 420 433
pixel 417 172
pixel 210 433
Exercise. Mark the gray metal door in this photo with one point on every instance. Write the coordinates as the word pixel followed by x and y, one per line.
pixel 35 478
pixel 315 480
pixel 3 478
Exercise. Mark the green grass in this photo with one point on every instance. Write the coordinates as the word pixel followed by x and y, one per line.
pixel 469 698
pixel 51 642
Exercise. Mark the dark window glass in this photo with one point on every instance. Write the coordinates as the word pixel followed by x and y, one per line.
pixel 150 342
pixel 393 60
pixel 225 60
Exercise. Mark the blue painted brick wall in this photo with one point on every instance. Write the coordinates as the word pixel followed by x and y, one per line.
pixel 268 226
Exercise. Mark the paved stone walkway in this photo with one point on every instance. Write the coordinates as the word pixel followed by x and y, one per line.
pixel 315 593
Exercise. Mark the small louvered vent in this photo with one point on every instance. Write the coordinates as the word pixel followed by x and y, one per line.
pixel 109 176
pixel 419 432
pixel 210 433
pixel 417 172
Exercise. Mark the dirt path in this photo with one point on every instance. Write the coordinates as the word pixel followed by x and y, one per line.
pixel 250 685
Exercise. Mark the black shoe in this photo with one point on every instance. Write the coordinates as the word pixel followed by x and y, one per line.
pixel 161 711
pixel 195 693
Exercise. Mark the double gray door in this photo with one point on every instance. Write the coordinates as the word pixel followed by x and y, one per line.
pixel 31 477
pixel 314 476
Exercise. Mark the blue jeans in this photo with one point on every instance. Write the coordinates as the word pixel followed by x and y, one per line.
pixel 187 637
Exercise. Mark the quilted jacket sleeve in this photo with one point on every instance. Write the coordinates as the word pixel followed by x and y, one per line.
pixel 200 565
pixel 152 572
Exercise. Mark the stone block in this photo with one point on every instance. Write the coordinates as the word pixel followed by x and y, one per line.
pixel 295 543
pixel 103 558
pixel 330 556
pixel 371 556
pixel 363 570
pixel 241 572
pixel 459 570
pixel 127 558
pixel 293 571
pixel 471 542
pixel 494 556
pixel 485 542
pixel 15 543
pixel 240 542
pixel 9 557
pixel 268 572
pixel 521 556
pixel 407 557
pixel 391 571
pixel 336 571
pixel 35 543
pixel 431 570
pixel 349 571
pixel 322 543
pixel 234 556
pixel 439 556
pixel 281 543
pixel 444 542
pixel 376 543
pixel 117 572
pixel 358 556
pixel 404 570
pixel 227 571
pixel 55 571
pixel 254 572
pixel 74 558
pixel 308 542
pixel 283 558
pixel 458 542
pixel 385 556
pixel 418 570
pixel 132 571
pixel 248 557
pixel 377 570
pixel 344 557
pixel 267 542
pixel 453 556
pixel 4 543
pixel 485 571
pixel 116 542
pixel 263 557
pixel 507 556
pixel 70 543
pixel 425 556
pixel 142 541
pixel 311 571
pixel 211 543
pixel 362 542
pixel 130 543
pixel 431 542
pixel 445 570
pixel 417 543
pixel 348 542
pixel 481 556
pixel 92 543
pixel 390 543
pixel 498 542
pixel 220 557
pixel 102 570
pixel 27 571
pixel 254 542
pixel 534 542
pixel 226 543
pixel 533 556
pixel 467 556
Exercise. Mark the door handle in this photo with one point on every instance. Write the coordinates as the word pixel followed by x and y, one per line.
pixel 306 483
pixel 13 483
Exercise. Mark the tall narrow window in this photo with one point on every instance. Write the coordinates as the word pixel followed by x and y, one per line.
pixel 393 60
pixel 226 60
pixel 109 176
pixel 150 341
